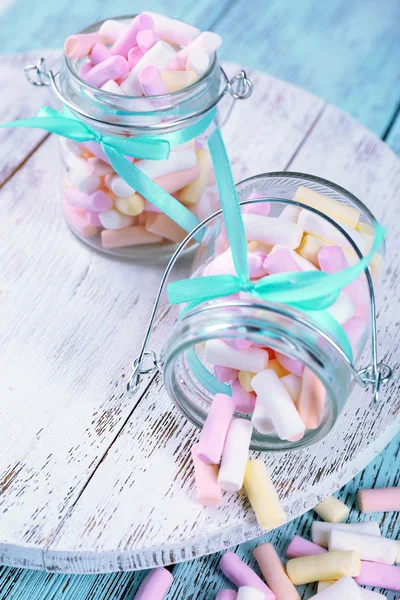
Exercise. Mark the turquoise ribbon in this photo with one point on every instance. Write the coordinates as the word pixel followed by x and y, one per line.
pixel 309 291
pixel 116 148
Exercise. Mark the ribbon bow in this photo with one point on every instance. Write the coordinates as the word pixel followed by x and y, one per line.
pixel 115 148
pixel 309 291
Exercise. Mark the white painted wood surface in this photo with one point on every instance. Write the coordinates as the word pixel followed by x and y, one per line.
pixel 91 480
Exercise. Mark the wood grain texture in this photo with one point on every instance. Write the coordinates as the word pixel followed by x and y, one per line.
pixel 393 138
pixel 86 402
pixel 47 24
pixel 201 579
pixel 347 53
pixel 20 100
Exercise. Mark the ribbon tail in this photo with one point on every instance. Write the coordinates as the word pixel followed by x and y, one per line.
pixel 201 289
pixel 65 127
pixel 230 205
pixel 147 188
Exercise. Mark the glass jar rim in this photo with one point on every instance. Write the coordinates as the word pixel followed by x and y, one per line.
pixel 182 338
pixel 191 88
pixel 315 179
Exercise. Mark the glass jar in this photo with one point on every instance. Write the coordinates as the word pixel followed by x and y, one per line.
pixel 118 207
pixel 296 340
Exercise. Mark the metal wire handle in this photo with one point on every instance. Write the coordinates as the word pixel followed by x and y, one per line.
pixel 239 87
pixel 376 374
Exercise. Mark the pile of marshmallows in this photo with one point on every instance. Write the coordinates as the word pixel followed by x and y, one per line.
pixel 341 557
pixel 152 56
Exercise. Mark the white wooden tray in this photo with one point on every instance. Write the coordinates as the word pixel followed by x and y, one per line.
pixel 91 480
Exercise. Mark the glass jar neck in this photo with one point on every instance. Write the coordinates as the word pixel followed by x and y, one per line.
pixel 151 115
pixel 191 386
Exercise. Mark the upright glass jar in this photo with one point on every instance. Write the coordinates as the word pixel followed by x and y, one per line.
pixel 121 221
pixel 310 355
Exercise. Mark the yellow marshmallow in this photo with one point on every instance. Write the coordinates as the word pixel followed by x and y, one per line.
pixel 192 193
pixel 324 585
pixel 323 567
pixel 334 209
pixel 332 510
pixel 310 246
pixel 259 247
pixel 245 380
pixel 263 496
pixel 276 366
pixel 133 205
pixel 364 228
pixel 178 80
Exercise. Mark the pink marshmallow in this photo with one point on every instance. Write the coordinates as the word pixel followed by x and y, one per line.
pixel 96 202
pixel 379 500
pixel 258 208
pixel 300 547
pixel 85 68
pixel 127 40
pixel 244 401
pixel 224 374
pixel 99 53
pixel 241 575
pixel 208 490
pixel 224 264
pixel 239 343
pixel 379 575
pixel 280 261
pixel 112 68
pixel 178 64
pixel 77 220
pixel 155 585
pixel 135 54
pixel 152 83
pixel 354 328
pixel 81 44
pixel 213 434
pixel 332 259
pixel 146 39
pixel 290 364
pixel 226 595
pixel 93 218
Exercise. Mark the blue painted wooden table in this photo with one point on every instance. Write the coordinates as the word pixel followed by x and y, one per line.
pixel 348 53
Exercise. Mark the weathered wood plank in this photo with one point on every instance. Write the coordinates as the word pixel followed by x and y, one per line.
pixel 77 401
pixel 20 100
pixel 45 25
pixel 347 53
pixel 339 148
pixel 393 138
pixel 201 579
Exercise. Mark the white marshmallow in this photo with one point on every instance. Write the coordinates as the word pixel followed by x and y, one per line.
pixel 320 530
pixel 99 167
pixel 111 219
pixel 112 87
pixel 304 264
pixel 290 213
pixel 275 403
pixel 120 187
pixel 173 30
pixel 81 174
pixel 272 231
pixel 252 360
pixel 235 455
pixel 374 548
pixel 198 61
pixel 249 593
pixel 342 309
pixel 317 226
pixel 343 589
pixel 160 56
pixel 111 30
pixel 178 160
pixel 364 594
pixel 208 41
